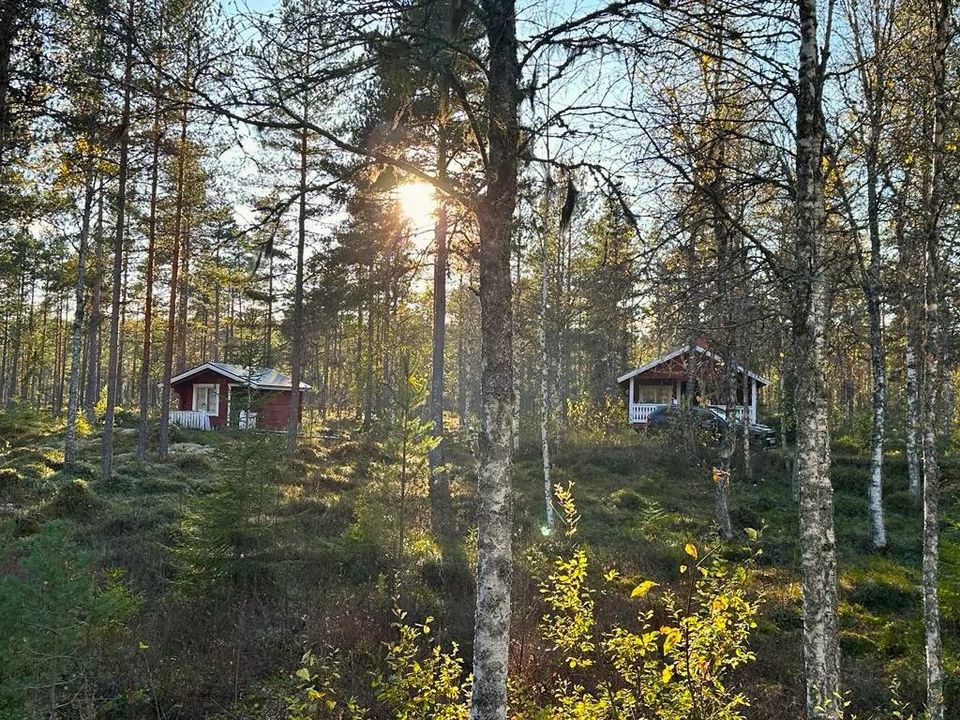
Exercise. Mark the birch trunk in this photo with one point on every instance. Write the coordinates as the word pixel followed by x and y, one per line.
pixel 495 217
pixel 113 362
pixel 92 390
pixel 817 540
pixel 721 474
pixel 913 415
pixel 76 332
pixel 932 371
pixel 745 430
pixel 879 533
pixel 544 355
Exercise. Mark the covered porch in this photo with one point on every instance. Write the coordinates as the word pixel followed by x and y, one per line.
pixel 668 380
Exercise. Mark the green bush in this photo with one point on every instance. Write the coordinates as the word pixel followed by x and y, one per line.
pixel 627 499
pixel 195 464
pixel 11 482
pixel 74 499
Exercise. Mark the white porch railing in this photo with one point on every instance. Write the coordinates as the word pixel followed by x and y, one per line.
pixel 190 419
pixel 639 412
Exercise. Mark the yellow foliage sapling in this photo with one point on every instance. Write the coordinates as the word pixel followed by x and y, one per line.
pixel 674 670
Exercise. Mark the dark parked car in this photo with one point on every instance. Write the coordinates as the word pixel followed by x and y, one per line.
pixel 707 419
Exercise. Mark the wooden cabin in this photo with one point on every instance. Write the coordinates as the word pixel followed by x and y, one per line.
pixel 218 395
pixel 696 369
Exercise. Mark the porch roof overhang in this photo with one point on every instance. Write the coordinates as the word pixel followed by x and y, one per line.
pixel 256 378
pixel 676 353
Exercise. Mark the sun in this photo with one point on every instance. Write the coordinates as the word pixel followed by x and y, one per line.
pixel 417 202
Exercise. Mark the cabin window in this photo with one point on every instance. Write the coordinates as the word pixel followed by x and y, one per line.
pixel 655 394
pixel 206 398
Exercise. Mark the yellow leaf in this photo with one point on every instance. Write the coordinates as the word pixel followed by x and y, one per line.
pixel 643 588
pixel 691 550
pixel 666 674
pixel 752 534
pixel 683 569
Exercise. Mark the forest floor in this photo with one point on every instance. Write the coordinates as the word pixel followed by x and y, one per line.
pixel 199 582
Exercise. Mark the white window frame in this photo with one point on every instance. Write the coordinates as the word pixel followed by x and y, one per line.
pixel 207 386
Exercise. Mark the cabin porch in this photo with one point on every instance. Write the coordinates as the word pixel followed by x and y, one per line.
pixel 646 396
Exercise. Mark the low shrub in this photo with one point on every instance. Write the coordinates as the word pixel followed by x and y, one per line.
pixel 195 464
pixel 75 499
pixel 627 499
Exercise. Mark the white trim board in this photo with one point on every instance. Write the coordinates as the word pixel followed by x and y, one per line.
pixel 671 355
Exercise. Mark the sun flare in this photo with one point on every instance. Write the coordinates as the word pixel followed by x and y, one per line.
pixel 417 202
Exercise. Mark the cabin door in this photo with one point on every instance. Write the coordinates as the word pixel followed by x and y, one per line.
pixel 241 410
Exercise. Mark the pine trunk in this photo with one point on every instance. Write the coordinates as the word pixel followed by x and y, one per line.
pixel 76 332
pixel 296 346
pixel 164 434
pixel 113 362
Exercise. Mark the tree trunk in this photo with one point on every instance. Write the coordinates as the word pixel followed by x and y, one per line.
pixel 92 392
pixel 113 363
pixel 164 434
pixel 296 346
pixel 817 539
pixel 913 414
pixel 76 332
pixel 545 408
pixel 439 487
pixel 879 533
pixel 494 552
pixel 145 366
pixel 934 198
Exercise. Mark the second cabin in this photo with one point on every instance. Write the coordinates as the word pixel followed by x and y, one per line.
pixel 694 371
pixel 217 395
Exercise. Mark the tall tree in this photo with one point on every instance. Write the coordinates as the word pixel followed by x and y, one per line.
pixel 495 220
pixel 113 362
pixel 809 281
pixel 933 203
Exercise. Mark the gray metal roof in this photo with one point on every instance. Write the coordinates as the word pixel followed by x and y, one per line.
pixel 257 378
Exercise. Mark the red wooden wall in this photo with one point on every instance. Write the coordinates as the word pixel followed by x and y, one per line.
pixel 273 406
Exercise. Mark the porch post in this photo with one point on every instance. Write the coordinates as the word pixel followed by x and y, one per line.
pixel 630 399
pixel 753 400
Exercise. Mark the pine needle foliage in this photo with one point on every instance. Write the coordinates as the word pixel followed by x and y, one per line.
pixel 227 535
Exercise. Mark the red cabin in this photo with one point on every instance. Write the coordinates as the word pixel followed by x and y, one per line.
pixel 218 395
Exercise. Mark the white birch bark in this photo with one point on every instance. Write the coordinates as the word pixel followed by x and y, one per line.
pixel 932 370
pixel 491 643
pixel 544 356
pixel 817 540
pixel 913 416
